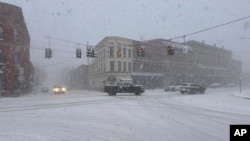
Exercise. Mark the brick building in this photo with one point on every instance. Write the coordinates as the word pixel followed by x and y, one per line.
pixel 16 69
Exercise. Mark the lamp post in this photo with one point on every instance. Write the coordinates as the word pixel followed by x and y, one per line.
pixel 240 84
pixel 243 38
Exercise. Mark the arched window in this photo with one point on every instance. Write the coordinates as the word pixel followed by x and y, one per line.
pixel 1 33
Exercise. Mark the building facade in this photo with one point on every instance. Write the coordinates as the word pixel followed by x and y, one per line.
pixel 113 62
pixel 16 69
pixel 215 64
pixel 193 61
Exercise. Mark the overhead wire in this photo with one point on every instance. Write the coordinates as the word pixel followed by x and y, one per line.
pixel 210 28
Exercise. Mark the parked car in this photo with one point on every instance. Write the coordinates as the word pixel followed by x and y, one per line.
pixel 215 85
pixel 45 89
pixel 59 89
pixel 172 88
pixel 192 88
pixel 231 85
pixel 124 87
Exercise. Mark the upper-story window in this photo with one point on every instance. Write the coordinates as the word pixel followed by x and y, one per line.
pixel 111 52
pixel 129 53
pixel 1 33
pixel 104 53
pixel 124 52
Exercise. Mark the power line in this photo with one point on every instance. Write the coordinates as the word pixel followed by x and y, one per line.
pixel 210 28
pixel 47 42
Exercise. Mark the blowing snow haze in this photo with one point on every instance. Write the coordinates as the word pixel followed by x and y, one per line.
pixel 69 24
pixel 124 70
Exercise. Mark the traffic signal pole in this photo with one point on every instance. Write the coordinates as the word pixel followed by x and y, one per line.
pixel 88 69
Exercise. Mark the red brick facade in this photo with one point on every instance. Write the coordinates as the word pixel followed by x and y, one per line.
pixel 15 46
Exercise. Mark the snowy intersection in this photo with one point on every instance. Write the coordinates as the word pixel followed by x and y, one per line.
pixel 94 116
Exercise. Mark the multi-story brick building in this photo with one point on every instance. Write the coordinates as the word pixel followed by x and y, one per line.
pixel 16 71
pixel 192 62
pixel 215 64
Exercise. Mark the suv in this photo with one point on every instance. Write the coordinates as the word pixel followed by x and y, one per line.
pixel 192 88
pixel 215 85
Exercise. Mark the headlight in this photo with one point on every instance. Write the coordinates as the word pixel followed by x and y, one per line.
pixel 56 89
pixel 64 89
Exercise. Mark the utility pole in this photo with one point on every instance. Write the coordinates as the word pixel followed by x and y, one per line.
pixel 88 70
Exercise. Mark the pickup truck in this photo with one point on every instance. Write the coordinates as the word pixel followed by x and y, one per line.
pixel 124 87
pixel 192 88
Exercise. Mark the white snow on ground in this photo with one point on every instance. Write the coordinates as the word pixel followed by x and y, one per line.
pixel 95 116
pixel 223 99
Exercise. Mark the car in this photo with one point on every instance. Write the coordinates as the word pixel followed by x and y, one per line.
pixel 215 85
pixel 192 88
pixel 172 88
pixel 231 85
pixel 59 89
pixel 45 89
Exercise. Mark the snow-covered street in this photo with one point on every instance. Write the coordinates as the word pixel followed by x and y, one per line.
pixel 95 116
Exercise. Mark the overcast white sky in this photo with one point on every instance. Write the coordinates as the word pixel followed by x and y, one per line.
pixel 82 21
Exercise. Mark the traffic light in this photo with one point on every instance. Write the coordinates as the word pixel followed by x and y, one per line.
pixel 118 53
pixel 142 52
pixel 48 53
pixel 78 53
pixel 138 51
pixel 170 50
pixel 88 52
pixel 93 54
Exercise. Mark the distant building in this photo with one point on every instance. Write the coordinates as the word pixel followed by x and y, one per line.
pixel 215 64
pixel 78 78
pixel 16 73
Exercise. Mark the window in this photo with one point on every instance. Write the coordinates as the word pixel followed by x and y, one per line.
pixel 104 53
pixel 129 53
pixel 101 55
pixel 111 52
pixel 1 33
pixel 124 66
pixel 112 66
pixel 119 66
pixel 129 66
pixel 124 52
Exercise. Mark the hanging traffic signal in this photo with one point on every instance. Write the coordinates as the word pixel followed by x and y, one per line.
pixel 143 52
pixel 78 53
pixel 138 51
pixel 88 52
pixel 170 50
pixel 93 54
pixel 48 53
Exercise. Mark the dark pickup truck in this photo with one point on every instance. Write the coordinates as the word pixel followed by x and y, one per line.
pixel 124 87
